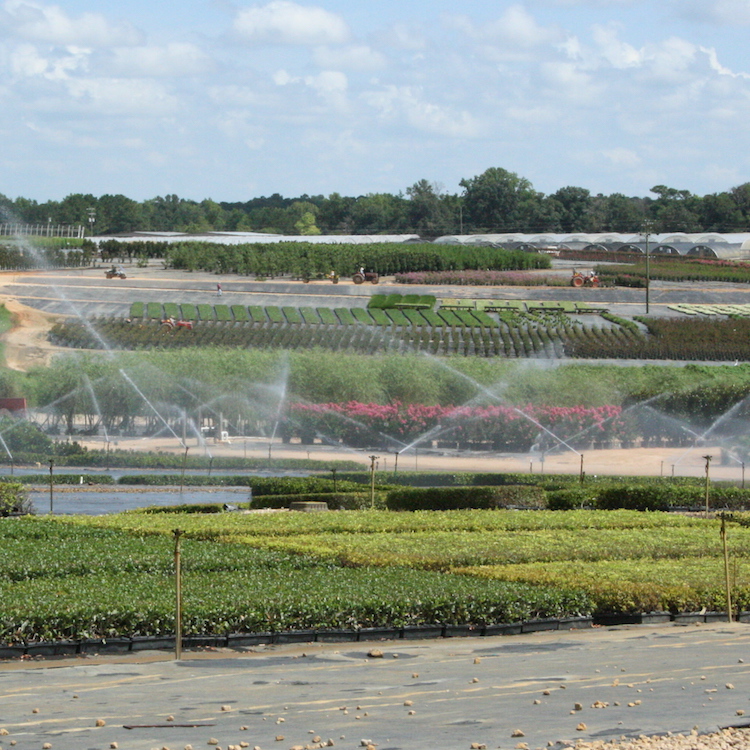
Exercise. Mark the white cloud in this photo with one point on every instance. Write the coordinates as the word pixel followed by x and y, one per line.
pixel 118 96
pixel 713 61
pixel 618 54
pixel 671 60
pixel 37 22
pixel 515 27
pixel 622 157
pixel 407 104
pixel 285 22
pixel 26 62
pixel 174 59
pixel 355 57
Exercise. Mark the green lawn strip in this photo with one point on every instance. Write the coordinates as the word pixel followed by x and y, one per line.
pixel 257 314
pixel 189 311
pixel 171 310
pixel 275 315
pixel 362 316
pixel 433 319
pixel 240 314
pixel 327 316
pixel 415 317
pixel 397 317
pixel 309 315
pixel 466 317
pixel 345 316
pixel 483 319
pixel 292 315
pixel 450 318
pixel 379 317
pixel 206 312
pixel 154 311
pixel 223 313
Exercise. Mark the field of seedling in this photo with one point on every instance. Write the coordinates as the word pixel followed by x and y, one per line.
pixel 480 327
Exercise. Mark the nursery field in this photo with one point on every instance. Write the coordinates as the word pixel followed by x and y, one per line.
pixel 480 328
pixel 79 577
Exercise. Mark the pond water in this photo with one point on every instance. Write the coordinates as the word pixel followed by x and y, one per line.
pixel 95 502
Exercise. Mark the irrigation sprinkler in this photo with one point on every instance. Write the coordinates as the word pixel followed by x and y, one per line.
pixel 395 463
pixel 333 472
pixel 210 464
pixel 743 474
pixel 582 473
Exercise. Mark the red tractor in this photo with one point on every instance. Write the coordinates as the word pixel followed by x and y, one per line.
pixel 170 324
pixel 581 279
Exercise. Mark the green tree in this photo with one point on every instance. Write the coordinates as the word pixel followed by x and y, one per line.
pixel 429 215
pixel 492 200
pixel 573 206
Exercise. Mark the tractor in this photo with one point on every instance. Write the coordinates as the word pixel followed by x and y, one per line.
pixel 115 273
pixel 361 276
pixel 170 324
pixel 580 279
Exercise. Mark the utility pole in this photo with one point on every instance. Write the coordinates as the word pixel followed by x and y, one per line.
pixel 647 232
pixel 373 459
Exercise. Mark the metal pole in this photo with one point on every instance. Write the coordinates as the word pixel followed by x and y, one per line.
pixel 708 463
pixel 51 484
pixel 395 464
pixel 373 459
pixel 178 595
pixel 648 271
pixel 581 474
pixel 333 471
pixel 726 567
pixel 184 462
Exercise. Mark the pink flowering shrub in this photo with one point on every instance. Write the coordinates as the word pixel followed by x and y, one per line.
pixel 504 427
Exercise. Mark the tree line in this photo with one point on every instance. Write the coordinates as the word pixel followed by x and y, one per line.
pixel 495 201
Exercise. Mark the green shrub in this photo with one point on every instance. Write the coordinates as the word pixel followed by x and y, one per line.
pixel 570 499
pixel 13 499
pixel 137 309
pixel 458 498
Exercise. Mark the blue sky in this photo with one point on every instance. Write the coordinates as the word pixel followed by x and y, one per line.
pixel 233 100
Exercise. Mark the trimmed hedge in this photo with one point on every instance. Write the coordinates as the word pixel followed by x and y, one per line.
pixel 459 498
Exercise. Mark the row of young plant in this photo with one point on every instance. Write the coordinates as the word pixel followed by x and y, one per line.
pixel 522 338
pixel 472 277
pixel 92 582
pixel 681 269
pixel 107 576
pixel 315 260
